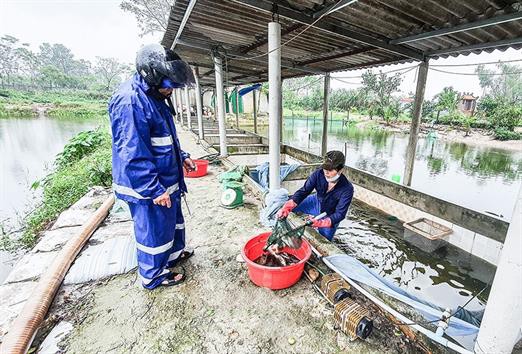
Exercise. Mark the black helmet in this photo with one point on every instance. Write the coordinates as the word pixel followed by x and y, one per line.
pixel 333 160
pixel 155 62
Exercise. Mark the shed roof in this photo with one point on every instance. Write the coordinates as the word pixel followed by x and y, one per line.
pixel 361 34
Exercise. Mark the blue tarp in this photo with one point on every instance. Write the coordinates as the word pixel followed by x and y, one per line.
pixel 248 89
pixel 275 200
pixel 260 174
pixel 355 270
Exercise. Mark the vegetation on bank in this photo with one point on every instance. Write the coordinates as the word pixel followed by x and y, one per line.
pixel 84 162
pixel 499 109
pixel 57 104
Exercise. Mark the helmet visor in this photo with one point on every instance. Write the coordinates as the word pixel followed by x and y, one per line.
pixel 179 72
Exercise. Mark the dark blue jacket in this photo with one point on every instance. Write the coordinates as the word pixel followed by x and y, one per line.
pixel 335 203
pixel 147 160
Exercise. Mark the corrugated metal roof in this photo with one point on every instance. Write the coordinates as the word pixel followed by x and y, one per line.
pixel 335 43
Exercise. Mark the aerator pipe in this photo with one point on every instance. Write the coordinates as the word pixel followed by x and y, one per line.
pixel 23 330
pixel 441 340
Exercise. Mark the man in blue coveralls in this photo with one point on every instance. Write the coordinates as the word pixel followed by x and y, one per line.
pixel 147 162
pixel 334 195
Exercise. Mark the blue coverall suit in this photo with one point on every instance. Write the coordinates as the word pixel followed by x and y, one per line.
pixel 335 203
pixel 147 161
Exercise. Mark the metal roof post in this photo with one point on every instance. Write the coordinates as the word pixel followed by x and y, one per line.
pixel 187 104
pixel 179 105
pixel 220 106
pixel 199 110
pixel 254 107
pixel 237 107
pixel 274 104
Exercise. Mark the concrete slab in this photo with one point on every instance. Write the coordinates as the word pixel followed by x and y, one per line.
pixel 59 332
pixel 53 240
pixel 30 267
pixel 72 217
pixel 112 230
pixel 92 199
pixel 12 300
pixel 80 211
pixel 114 256
pixel 119 212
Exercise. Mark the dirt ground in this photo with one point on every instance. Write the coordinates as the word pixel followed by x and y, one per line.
pixel 217 309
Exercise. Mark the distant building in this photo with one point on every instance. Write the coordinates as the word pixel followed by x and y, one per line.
pixel 467 104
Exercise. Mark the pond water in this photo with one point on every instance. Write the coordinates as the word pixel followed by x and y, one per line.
pixel 28 147
pixel 479 178
pixel 448 276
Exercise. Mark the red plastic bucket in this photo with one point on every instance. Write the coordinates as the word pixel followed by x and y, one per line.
pixel 274 277
pixel 201 170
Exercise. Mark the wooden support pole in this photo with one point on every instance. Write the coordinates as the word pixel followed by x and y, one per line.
pixel 324 142
pixel 415 122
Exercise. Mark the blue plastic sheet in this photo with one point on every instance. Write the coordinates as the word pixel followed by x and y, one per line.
pixel 248 89
pixel 273 202
pixel 260 174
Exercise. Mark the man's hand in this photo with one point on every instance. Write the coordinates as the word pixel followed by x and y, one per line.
pixel 323 223
pixel 286 209
pixel 189 165
pixel 163 200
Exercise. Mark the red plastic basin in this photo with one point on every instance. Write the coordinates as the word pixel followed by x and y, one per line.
pixel 274 277
pixel 201 170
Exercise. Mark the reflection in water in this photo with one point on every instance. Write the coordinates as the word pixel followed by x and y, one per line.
pixel 483 179
pixel 27 149
pixel 446 277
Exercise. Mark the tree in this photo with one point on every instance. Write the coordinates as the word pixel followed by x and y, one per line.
pixel 110 70
pixel 59 56
pixel 8 62
pixel 29 64
pixel 507 117
pixel 507 86
pixel 345 100
pixel 382 86
pixel 51 77
pixel 151 15
pixel 447 100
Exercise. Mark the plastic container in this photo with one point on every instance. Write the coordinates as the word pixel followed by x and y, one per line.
pixel 201 169
pixel 274 277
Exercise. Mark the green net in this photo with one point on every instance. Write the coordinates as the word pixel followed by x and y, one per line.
pixel 234 174
pixel 283 235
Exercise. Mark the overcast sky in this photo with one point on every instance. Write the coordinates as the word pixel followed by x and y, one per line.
pixel 100 28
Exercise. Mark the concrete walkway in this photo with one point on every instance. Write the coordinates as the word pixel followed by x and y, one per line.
pixel 216 310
